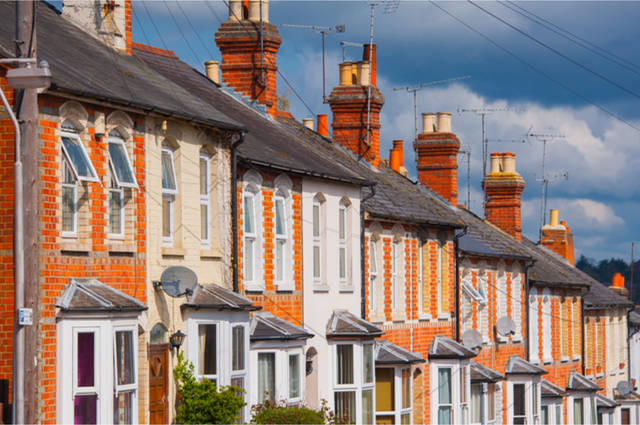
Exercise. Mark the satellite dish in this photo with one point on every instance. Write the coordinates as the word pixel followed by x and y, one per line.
pixel 177 281
pixel 505 326
pixel 472 339
pixel 624 388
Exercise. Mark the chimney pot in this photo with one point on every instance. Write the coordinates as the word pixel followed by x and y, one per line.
pixel 354 73
pixel 255 9
pixel 363 73
pixel 496 162
pixel 444 122
pixel 213 71
pixel 396 156
pixel 428 122
pixel 345 74
pixel 509 162
pixel 323 127
pixel 308 122
pixel 235 10
pixel 553 217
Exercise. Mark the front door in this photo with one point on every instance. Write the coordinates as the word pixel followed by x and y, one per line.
pixel 625 416
pixel 158 383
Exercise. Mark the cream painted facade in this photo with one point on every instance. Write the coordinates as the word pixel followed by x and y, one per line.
pixel 211 262
pixel 616 365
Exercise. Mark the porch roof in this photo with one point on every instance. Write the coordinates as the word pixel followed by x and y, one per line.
pixel 519 366
pixel 389 353
pixel 267 327
pixel 605 402
pixel 443 347
pixel 345 324
pixel 91 295
pixel 216 297
pixel 579 382
pixel 550 390
pixel 481 373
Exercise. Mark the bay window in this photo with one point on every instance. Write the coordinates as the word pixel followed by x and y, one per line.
pixel 205 199
pixel 169 192
pixel 208 352
pixel 126 386
pixel 445 396
pixel 477 405
pixel 393 395
pixel 266 377
pixel 450 391
pixel 519 404
pixel 354 382
pixel 279 371
pixel 294 376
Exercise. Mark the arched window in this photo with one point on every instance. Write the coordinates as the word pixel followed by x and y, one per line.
pixel 169 193
pixel 318 225
pixel 546 327
pixel 205 199
pixel 533 325
pixel 158 334
pixel 122 178
pixel 282 232
pixel 251 232
pixel 344 242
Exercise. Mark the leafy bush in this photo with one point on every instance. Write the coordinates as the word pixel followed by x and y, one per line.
pixel 202 402
pixel 273 413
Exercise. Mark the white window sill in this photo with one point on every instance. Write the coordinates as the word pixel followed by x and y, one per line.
pixel 424 317
pixel 210 253
pixel 69 235
pixel 376 319
pixel 317 287
pixel 74 245
pixel 346 289
pixel 576 358
pixel 398 317
pixel 600 375
pixel 535 361
pixel 516 339
pixel 283 287
pixel 115 237
pixel 173 252
pixel 547 360
pixel 564 359
pixel 444 316
pixel 253 287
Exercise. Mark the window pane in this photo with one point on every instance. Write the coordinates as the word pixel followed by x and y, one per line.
pixel 578 411
pixel 280 225
pixel 123 408
pixel 204 222
pixel 238 348
pixel 238 381
pixel 476 403
pixel 316 220
pixel 491 393
pixel 346 407
pixel 249 226
pixel 168 181
pixel 166 217
pixel 342 222
pixel 84 409
pixel 208 354
pixel 68 208
pixel 115 216
pixel 343 265
pixel 385 393
pixel 373 258
pixel 204 178
pixel 345 364
pixel 158 334
pixel 67 174
pixel 294 376
pixel 444 415
pixel 559 414
pixel 405 419
pixel 280 260
pixel 266 377
pixel 544 411
pixel 124 357
pixel 444 386
pixel 406 388
pixel 316 261
pixel 85 356
pixel 367 363
pixel 518 399
pixel 367 406
pixel 120 163
pixel 78 157
pixel 463 384
pixel 248 258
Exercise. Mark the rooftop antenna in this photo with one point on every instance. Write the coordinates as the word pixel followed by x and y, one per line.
pixel 417 87
pixel 466 151
pixel 545 178
pixel 323 30
pixel 346 44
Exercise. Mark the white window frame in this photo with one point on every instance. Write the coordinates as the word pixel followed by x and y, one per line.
pixel 285 283
pixel 300 376
pixel 170 196
pixel 116 189
pixel 358 385
pixel 121 142
pixel 197 373
pixel 240 373
pixel 205 199
pixel 66 233
pixel 125 388
pixel 394 277
pixel 281 352
pixel 70 135
pixel 373 275
pixel 318 240
pixel 532 408
pixel 399 411
pixel 344 243
pixel 440 270
pixel 534 344
pixel 423 314
pixel 456 367
pixel 552 408
pixel 547 346
pixel 256 283
pixel 588 403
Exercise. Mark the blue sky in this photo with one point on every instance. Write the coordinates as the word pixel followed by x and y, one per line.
pixel 420 43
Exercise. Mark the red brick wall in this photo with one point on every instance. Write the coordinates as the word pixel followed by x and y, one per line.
pixel 559 241
pixel 503 204
pixel 436 158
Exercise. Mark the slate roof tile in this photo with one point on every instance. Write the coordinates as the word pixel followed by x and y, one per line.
pixel 89 295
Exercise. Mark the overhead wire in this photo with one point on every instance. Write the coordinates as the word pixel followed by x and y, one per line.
pixel 175 21
pixel 556 51
pixel 535 68
pixel 206 46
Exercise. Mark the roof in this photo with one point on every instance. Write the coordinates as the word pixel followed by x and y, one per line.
pixel 547 389
pixel 631 397
pixel 634 318
pixel 91 295
pixel 600 296
pixel 550 269
pixel 84 66
pixel 603 402
pixel 481 373
pixel 519 366
pixel 443 347
pixel 579 382
pixel 389 353
pixel 345 324
pixel 265 327
pixel 217 298
pixel 268 143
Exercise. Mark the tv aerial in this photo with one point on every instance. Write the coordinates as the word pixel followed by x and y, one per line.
pixel 177 281
pixel 505 326
pixel 472 339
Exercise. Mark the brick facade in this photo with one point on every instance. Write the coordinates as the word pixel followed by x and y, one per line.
pixel 503 187
pixel 436 158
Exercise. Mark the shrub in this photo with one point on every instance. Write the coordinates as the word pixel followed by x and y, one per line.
pixel 202 402
pixel 274 413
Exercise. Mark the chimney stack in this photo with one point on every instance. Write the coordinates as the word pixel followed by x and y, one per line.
pixel 503 188
pixel 349 104
pixel 617 285
pixel 558 237
pixel 245 67
pixel 436 156
pixel 323 127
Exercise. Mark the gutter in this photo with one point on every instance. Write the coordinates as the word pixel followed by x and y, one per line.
pixel 456 250
pixel 363 282
pixel 234 209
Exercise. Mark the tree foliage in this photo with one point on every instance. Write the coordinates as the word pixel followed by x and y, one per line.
pixel 603 271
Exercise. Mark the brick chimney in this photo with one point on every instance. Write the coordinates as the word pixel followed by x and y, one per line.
pixel 503 188
pixel 245 67
pixel 396 157
pixel 558 237
pixel 617 285
pixel 107 20
pixel 349 104
pixel 436 156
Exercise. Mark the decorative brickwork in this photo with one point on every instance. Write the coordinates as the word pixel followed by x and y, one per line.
pixel 436 157
pixel 503 188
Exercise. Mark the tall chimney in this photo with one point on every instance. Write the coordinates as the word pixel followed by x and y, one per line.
pixel 107 20
pixel 245 66
pixel 436 156
pixel 557 237
pixel 350 106
pixel 617 285
pixel 503 188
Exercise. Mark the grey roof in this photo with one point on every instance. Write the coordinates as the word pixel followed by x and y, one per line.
pixel 519 366
pixel 216 297
pixel 389 353
pixel 345 324
pixel 265 326
pixel 92 295
pixel 634 318
pixel 547 389
pixel 600 296
pixel 579 382
pixel 481 373
pixel 552 270
pixel 443 347
pixel 605 403
pixel 633 396
pixel 84 66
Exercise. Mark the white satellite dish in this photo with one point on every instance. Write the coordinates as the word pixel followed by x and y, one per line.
pixel 472 339
pixel 624 388
pixel 505 326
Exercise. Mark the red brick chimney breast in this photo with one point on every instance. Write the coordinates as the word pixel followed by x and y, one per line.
pixel 558 237
pixel 503 190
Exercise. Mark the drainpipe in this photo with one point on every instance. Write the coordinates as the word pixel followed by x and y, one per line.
pixel 582 332
pixel 526 308
pixel 363 303
pixel 234 208
pixel 456 251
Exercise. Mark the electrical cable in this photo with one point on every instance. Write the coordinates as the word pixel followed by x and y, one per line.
pixel 535 68
pixel 175 21
pixel 144 33
pixel 206 47
pixel 557 52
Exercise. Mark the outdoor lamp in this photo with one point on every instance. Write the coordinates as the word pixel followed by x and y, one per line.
pixel 176 340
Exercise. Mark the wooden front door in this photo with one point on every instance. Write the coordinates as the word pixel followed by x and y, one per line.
pixel 625 416
pixel 159 383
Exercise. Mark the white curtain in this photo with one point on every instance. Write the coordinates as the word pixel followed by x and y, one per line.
pixel 266 377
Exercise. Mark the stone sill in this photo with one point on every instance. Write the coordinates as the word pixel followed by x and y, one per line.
pixel 74 246
pixel 173 252
pixel 210 253
pixel 320 288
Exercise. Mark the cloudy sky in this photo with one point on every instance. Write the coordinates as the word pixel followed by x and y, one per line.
pixel 588 90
